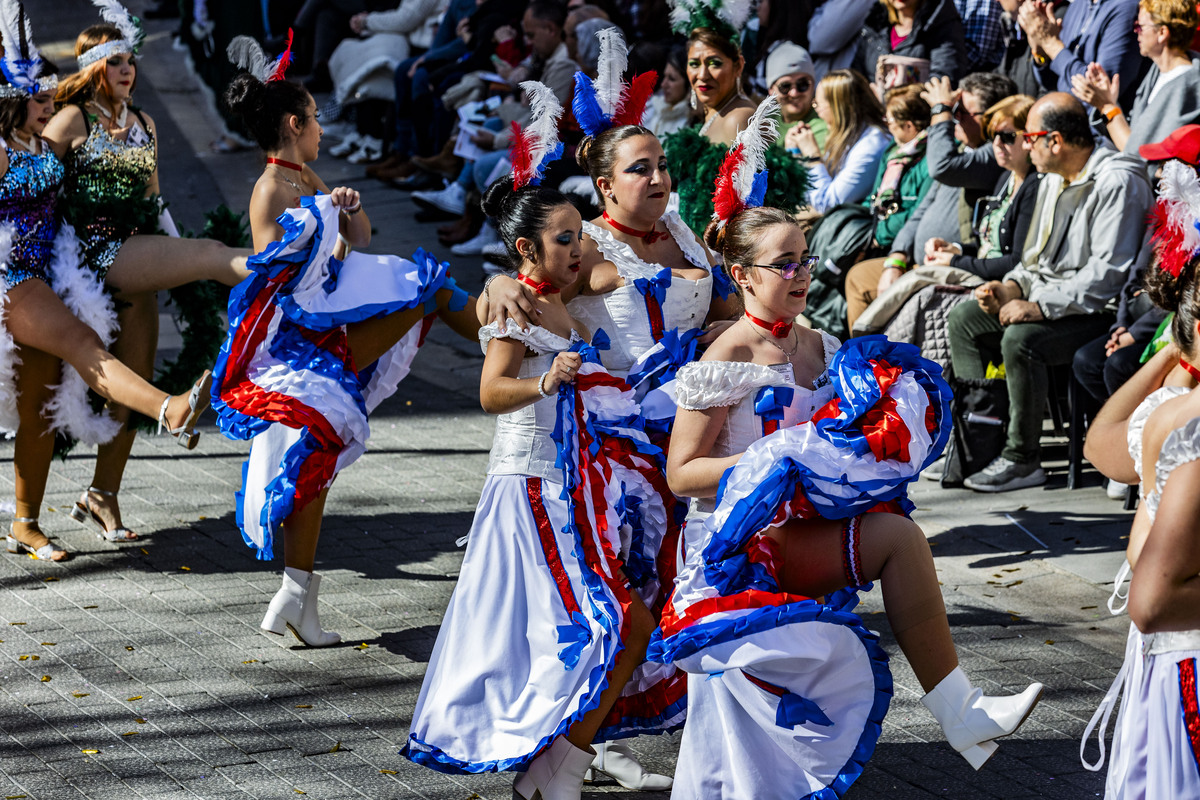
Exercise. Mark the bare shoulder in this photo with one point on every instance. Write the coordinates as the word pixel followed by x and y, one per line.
pixel 67 124
pixel 731 345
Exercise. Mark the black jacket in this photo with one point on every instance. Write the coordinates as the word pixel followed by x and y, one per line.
pixel 937 35
pixel 1014 228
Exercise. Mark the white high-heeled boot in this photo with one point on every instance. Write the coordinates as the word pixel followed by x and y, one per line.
pixel 971 721
pixel 294 608
pixel 618 762
pixel 557 774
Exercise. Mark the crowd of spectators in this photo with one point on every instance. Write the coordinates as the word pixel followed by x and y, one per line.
pixel 977 173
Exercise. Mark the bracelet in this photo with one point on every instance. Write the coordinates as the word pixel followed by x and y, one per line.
pixel 352 211
pixel 1112 113
pixel 488 283
pixel 895 262
pixel 542 391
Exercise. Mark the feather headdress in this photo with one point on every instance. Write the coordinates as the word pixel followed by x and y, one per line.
pixel 1176 217
pixel 727 17
pixel 537 145
pixel 742 180
pixel 131 34
pixel 22 63
pixel 245 53
pixel 609 101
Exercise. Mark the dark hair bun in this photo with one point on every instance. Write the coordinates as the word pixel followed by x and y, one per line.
pixel 244 94
pixel 497 197
pixel 582 151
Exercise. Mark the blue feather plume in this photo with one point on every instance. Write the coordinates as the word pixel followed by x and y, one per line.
pixel 758 191
pixel 588 113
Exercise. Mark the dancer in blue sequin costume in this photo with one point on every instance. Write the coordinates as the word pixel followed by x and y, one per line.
pixel 40 331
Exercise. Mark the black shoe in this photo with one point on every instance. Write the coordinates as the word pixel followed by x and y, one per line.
pixel 434 215
pixel 419 180
pixel 166 9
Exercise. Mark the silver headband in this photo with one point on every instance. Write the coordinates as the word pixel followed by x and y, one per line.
pixel 46 84
pixel 103 51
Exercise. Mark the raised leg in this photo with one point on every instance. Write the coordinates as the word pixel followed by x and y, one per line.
pixel 150 263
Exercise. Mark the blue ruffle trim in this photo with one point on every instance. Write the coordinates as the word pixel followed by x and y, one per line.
pixel 722 284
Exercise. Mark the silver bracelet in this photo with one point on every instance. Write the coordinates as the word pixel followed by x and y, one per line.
pixel 488 283
pixel 541 380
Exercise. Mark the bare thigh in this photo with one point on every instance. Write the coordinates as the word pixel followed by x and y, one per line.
pixel 37 318
pixel 151 263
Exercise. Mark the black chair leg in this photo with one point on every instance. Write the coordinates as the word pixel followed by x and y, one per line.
pixel 1075 434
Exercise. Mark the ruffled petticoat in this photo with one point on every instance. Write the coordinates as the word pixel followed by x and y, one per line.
pixel 540 611
pixel 69 409
pixel 798 688
pixel 285 376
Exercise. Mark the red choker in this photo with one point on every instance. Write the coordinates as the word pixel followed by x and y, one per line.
pixel 288 164
pixel 649 237
pixel 539 287
pixel 1195 373
pixel 780 329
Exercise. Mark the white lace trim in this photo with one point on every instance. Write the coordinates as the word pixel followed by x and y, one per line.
pixel 537 339
pixel 630 267
pixel 710 384
pixel 1181 446
pixel 831 344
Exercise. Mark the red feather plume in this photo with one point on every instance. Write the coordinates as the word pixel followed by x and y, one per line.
pixel 1167 240
pixel 634 99
pixel 285 58
pixel 726 201
pixel 519 155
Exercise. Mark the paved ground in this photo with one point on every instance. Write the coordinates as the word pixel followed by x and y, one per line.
pixel 138 671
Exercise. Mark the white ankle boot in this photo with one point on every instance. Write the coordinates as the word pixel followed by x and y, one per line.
pixel 971 721
pixel 618 762
pixel 294 608
pixel 557 774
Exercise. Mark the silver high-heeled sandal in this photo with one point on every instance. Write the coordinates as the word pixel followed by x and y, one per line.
pixel 198 401
pixel 44 553
pixel 83 514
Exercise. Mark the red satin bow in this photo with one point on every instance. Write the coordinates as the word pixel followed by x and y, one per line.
pixel 649 237
pixel 539 287
pixel 780 329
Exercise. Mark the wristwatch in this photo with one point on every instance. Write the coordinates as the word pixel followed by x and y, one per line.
pixel 940 108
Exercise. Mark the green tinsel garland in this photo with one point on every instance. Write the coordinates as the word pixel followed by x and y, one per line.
pixel 787 183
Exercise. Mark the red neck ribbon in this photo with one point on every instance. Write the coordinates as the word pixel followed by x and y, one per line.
pixel 649 237
pixel 1195 373
pixel 288 164
pixel 539 287
pixel 780 329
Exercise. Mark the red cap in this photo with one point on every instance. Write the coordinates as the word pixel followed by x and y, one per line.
pixel 1182 143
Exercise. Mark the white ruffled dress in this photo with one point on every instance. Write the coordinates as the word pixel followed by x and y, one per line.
pixel 537 618
pixel 1156 742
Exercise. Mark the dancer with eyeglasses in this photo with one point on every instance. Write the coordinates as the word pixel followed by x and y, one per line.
pixel 810 447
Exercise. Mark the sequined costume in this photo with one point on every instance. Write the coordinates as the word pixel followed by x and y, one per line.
pixel 28 192
pixel 105 191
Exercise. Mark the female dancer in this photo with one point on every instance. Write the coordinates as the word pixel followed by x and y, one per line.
pixel 112 198
pixel 536 581
pixel 1149 432
pixel 740 620
pixel 43 329
pixel 714 70
pixel 361 328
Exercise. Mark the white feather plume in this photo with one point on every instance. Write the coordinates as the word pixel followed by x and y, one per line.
pixel 610 74
pixel 542 129
pixel 113 12
pixel 734 12
pixel 245 53
pixel 9 419
pixel 759 134
pixel 10 31
pixel 1180 187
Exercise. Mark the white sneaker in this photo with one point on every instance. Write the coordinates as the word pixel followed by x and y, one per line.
pixel 1115 490
pixel 936 470
pixel 346 146
pixel 494 250
pixel 452 199
pixel 474 247
pixel 370 151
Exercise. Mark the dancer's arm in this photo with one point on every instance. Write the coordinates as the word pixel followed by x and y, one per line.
pixel 690 470
pixel 1165 593
pixel 501 391
pixel 352 221
pixel 66 130
pixel 507 298
pixel 152 187
pixel 1106 446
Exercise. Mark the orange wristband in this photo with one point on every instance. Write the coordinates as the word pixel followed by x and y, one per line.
pixel 1112 113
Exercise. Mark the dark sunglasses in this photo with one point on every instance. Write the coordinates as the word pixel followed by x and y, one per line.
pixel 789 271
pixel 1006 137
pixel 802 85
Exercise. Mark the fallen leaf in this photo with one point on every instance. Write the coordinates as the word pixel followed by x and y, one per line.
pixel 1014 618
pixel 297 791
pixel 251 661
pixel 1049 641
pixel 336 747
pixel 1086 608
pixel 90 752
pixel 1014 583
pixel 91 606
pixel 80 694
pixel 186 569
pixel 129 733
pixel 388 771
pixel 203 517
pixel 1014 569
pixel 45 679
pixel 49 644
pixel 49 578
pixel 129 647
pixel 362 646
pixel 304 705
pixel 140 720
pixel 131 699
pixel 14 796
pixel 16 623
pixel 145 552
